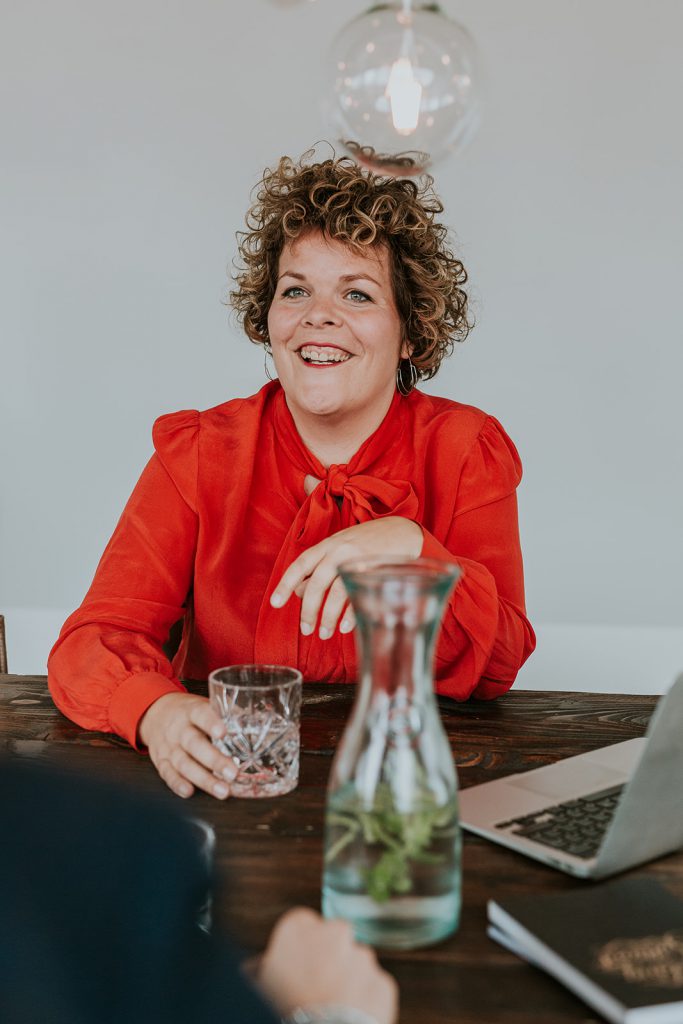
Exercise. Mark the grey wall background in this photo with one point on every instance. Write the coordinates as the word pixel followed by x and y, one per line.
pixel 131 136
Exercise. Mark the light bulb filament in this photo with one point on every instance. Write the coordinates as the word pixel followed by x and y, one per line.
pixel 404 93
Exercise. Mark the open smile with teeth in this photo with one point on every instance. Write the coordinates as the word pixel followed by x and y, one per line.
pixel 326 356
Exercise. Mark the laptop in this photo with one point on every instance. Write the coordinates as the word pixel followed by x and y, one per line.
pixel 596 814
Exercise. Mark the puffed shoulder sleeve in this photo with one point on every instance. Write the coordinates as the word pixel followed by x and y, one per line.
pixel 485 636
pixel 176 441
pixel 492 469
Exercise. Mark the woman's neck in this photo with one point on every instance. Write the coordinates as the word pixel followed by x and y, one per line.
pixel 335 439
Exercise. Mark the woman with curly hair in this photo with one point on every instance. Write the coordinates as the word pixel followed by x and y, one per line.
pixel 241 518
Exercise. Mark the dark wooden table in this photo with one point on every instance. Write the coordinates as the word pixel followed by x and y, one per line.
pixel 271 850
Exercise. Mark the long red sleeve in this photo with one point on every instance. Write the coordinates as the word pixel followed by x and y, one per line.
pixel 485 636
pixel 108 665
pixel 221 510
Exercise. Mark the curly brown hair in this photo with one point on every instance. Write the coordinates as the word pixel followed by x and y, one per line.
pixel 360 209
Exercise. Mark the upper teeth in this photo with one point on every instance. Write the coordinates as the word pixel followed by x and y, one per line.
pixel 323 355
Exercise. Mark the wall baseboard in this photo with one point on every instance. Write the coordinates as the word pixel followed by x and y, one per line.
pixel 596 659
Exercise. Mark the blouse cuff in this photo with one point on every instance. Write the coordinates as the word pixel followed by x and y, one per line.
pixel 132 698
pixel 432 548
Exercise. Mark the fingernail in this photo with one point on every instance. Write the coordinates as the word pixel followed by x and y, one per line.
pixel 218 731
pixel 346 626
pixel 230 773
pixel 185 791
pixel 325 633
pixel 220 791
pixel 276 599
pixel 306 628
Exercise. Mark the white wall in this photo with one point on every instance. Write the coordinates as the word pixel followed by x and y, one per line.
pixel 131 136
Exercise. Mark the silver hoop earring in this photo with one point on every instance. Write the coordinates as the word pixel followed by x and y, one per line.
pixel 403 387
pixel 268 352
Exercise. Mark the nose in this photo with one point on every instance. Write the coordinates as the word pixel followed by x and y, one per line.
pixel 320 313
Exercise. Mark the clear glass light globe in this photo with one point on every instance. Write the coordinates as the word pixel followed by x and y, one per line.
pixel 402 88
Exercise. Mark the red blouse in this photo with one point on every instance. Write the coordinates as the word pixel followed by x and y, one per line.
pixel 219 513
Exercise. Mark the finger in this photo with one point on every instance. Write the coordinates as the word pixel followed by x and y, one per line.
pixel 332 609
pixel 298 917
pixel 207 719
pixel 205 754
pixel 348 621
pixel 341 933
pixel 193 772
pixel 316 588
pixel 174 780
pixel 298 571
pixel 382 993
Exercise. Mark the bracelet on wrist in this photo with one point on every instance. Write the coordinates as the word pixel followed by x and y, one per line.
pixel 329 1015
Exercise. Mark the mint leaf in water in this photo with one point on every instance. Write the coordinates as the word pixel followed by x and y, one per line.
pixel 400 839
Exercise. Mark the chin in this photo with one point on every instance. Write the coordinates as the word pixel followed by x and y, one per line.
pixel 317 398
pixel 321 405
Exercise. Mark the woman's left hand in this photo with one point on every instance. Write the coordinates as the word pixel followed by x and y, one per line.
pixel 313 576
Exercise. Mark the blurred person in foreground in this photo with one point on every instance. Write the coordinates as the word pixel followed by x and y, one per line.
pixel 99 894
pixel 240 520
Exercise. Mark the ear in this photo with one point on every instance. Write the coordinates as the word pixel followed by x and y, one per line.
pixel 406 350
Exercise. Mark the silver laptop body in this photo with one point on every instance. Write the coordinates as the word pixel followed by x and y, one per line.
pixel 647 821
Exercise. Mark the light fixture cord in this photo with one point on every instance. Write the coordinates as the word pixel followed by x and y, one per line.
pixel 408 39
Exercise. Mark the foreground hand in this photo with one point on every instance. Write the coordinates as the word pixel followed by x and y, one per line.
pixel 314 577
pixel 311 963
pixel 176 729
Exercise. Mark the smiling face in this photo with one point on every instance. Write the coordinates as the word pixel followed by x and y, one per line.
pixel 335 333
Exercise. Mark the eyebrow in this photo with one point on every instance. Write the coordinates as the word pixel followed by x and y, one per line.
pixel 344 277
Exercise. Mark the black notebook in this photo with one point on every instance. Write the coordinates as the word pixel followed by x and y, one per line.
pixel 618 946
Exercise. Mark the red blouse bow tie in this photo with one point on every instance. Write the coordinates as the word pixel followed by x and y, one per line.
pixel 370 497
pixel 363 495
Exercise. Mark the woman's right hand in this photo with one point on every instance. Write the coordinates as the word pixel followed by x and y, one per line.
pixel 177 729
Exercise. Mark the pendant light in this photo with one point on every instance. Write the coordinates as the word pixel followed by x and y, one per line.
pixel 402 87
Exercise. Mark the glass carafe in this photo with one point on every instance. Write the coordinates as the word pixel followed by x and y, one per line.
pixel 392 838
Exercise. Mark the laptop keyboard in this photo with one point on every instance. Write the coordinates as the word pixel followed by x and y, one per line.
pixel 576 827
